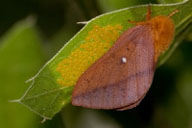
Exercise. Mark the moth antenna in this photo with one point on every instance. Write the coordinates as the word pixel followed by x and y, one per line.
pixel 173 13
pixel 148 16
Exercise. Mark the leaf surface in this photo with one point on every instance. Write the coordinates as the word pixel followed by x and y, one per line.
pixel 51 88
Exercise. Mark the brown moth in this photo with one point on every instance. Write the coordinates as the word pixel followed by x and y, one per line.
pixel 121 78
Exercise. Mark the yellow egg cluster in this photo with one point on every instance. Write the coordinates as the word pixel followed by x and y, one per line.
pixel 97 42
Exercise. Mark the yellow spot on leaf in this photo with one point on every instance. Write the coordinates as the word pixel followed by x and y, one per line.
pixel 97 42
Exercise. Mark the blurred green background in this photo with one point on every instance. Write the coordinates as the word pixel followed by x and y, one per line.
pixel 32 31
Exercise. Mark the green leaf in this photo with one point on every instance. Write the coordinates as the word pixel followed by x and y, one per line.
pixel 189 37
pixel 169 1
pixel 20 57
pixel 50 91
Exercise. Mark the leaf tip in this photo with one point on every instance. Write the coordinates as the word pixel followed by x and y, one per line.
pixel 43 120
pixel 83 22
pixel 15 101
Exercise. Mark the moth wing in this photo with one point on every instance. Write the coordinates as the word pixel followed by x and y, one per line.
pixel 122 76
pixel 131 105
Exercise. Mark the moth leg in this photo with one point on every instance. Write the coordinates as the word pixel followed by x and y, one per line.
pixel 148 17
pixel 133 22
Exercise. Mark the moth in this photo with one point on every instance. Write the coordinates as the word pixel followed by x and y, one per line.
pixel 121 78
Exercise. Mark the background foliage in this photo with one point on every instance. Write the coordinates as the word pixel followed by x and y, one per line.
pixel 33 31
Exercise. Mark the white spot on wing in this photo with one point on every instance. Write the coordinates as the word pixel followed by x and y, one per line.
pixel 124 60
